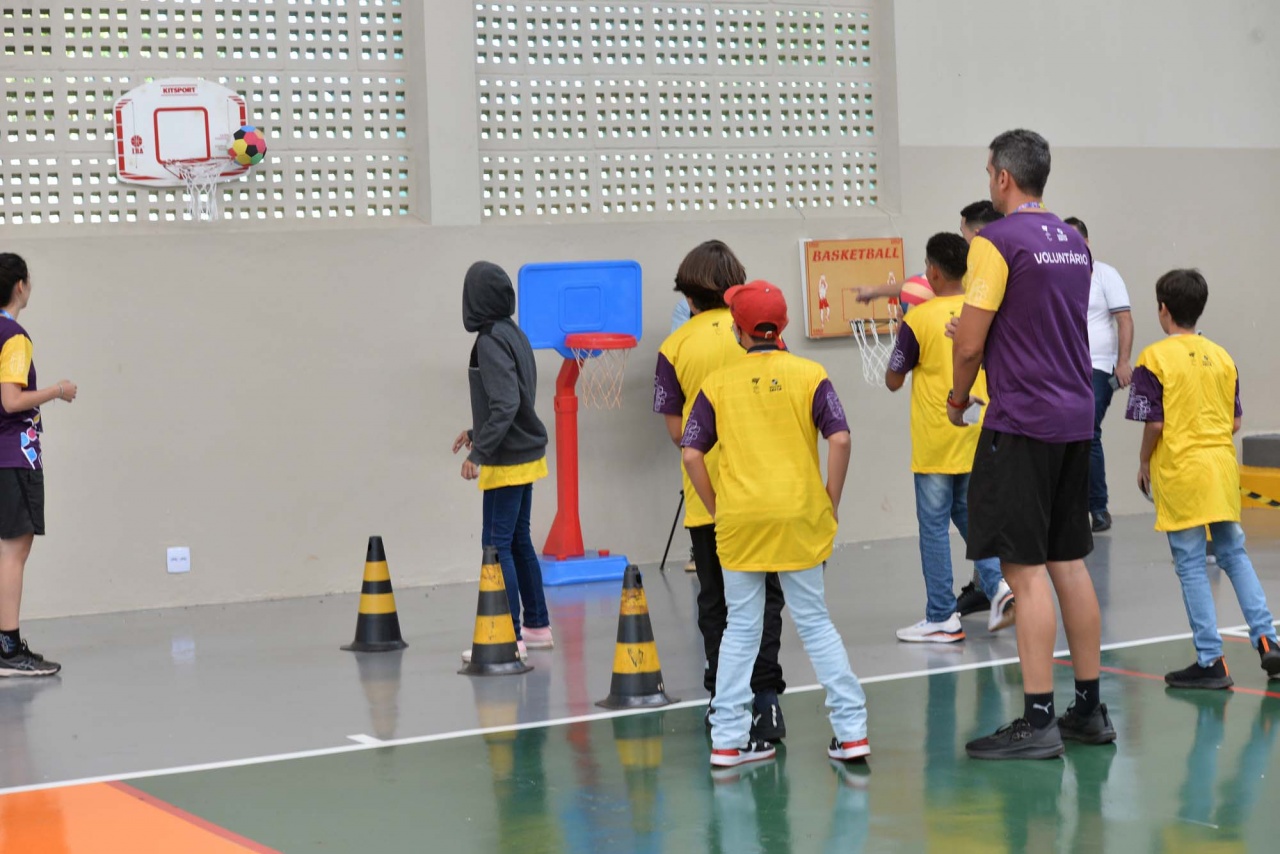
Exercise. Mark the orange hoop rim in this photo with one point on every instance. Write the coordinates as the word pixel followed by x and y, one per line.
pixel 600 341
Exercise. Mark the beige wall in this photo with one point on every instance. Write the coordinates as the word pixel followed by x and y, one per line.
pixel 271 398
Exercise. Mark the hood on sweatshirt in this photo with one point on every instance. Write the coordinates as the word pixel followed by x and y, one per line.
pixel 487 296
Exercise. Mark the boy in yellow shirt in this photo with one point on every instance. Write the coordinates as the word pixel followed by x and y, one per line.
pixel 690 354
pixel 1187 391
pixel 772 513
pixel 941 455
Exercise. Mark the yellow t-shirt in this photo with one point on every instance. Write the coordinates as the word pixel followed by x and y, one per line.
pixel 702 345
pixel 494 477
pixel 1191 384
pixel 923 349
pixel 772 509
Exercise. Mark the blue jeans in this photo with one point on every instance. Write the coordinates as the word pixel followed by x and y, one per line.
pixel 1188 557
pixel 803 589
pixel 506 528
pixel 1102 392
pixel 940 500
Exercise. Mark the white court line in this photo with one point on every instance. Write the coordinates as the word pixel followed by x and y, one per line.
pixel 365 742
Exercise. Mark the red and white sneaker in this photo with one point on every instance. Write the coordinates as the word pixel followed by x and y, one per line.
pixel 755 751
pixel 848 750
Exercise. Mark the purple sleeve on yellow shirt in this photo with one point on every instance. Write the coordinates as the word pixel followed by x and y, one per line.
pixel 700 429
pixel 906 353
pixel 668 399
pixel 1146 397
pixel 828 414
pixel 1239 408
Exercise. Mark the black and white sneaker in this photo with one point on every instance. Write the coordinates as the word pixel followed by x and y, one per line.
pixel 767 722
pixel 971 600
pixel 27 663
pixel 1018 740
pixel 754 751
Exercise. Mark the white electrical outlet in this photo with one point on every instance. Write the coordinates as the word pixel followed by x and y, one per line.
pixel 179 559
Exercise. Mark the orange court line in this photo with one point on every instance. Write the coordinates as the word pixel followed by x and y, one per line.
pixel 109 818
pixel 1119 672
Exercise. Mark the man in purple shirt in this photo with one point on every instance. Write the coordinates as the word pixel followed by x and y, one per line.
pixel 1024 319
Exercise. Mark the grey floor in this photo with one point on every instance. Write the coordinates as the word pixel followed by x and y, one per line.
pixel 158 689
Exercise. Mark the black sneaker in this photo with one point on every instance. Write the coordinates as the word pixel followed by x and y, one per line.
pixel 1270 655
pixel 1096 728
pixel 971 600
pixel 1100 521
pixel 767 723
pixel 27 663
pixel 1214 677
pixel 1018 740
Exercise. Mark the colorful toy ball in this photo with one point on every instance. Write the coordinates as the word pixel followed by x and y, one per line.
pixel 248 146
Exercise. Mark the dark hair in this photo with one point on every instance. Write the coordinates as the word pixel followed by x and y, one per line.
pixel 1184 293
pixel 707 272
pixel 1078 224
pixel 1024 154
pixel 12 270
pixel 949 252
pixel 980 213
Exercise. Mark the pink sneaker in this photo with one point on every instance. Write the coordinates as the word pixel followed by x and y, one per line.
pixel 538 638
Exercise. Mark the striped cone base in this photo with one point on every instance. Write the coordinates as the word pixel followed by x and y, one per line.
pixel 637 673
pixel 493 647
pixel 377 626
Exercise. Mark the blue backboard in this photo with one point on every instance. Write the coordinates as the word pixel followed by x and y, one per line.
pixel 559 299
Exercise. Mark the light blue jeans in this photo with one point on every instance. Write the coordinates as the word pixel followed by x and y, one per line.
pixel 940 500
pixel 1188 556
pixel 803 589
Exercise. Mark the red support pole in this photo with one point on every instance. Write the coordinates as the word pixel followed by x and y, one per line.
pixel 565 537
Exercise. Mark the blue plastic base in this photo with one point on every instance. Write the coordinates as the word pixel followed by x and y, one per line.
pixel 580 570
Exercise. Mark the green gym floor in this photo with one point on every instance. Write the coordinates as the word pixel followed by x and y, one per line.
pixel 528 764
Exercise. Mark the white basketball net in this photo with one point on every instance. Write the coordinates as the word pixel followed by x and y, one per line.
pixel 876 339
pixel 600 377
pixel 201 178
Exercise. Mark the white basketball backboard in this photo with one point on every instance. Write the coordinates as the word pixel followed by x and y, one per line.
pixel 178 118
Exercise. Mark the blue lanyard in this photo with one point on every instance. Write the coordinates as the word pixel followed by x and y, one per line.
pixel 4 313
pixel 1028 206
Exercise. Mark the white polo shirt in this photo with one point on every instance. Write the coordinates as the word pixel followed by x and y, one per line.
pixel 1107 295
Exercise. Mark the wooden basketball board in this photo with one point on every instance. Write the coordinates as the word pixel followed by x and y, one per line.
pixel 832 271
pixel 178 118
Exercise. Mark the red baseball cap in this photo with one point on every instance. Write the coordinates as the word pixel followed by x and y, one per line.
pixel 757 303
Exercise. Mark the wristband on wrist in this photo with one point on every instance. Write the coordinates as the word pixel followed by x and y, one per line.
pixel 956 404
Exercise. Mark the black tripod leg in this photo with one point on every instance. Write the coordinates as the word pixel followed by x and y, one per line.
pixel 672 535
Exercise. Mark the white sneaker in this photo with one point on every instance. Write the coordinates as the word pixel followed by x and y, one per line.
pixel 520 651
pixel 1002 611
pixel 926 632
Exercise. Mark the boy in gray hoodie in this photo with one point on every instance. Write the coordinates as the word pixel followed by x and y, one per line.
pixel 507 443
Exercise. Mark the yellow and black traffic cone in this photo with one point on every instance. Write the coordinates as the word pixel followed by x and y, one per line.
pixel 493 646
pixel 637 674
pixel 377 627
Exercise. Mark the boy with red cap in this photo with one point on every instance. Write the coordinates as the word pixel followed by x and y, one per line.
pixel 772 514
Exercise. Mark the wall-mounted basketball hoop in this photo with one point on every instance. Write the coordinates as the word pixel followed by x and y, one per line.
pixel 183 132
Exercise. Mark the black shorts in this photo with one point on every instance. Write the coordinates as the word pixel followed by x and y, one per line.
pixel 21 503
pixel 1029 500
